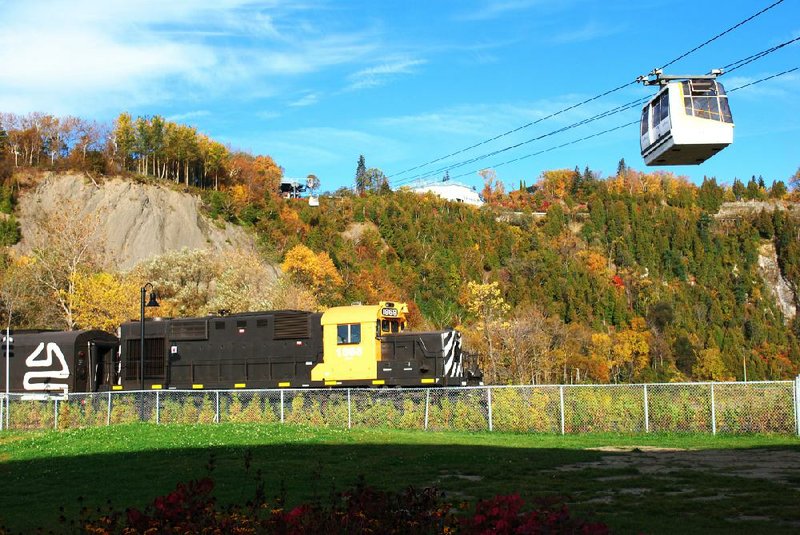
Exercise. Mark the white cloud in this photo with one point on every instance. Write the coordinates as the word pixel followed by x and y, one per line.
pixel 588 32
pixel 492 9
pixel 188 116
pixel 380 74
pixel 306 100
pixel 83 56
pixel 781 86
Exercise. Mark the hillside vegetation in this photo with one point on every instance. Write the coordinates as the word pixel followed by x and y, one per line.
pixel 629 278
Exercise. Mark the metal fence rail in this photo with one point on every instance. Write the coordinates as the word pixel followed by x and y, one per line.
pixel 753 407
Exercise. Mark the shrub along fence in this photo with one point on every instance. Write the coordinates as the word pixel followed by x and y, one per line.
pixel 753 407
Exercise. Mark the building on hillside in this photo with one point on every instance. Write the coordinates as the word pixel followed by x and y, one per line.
pixel 451 191
pixel 291 188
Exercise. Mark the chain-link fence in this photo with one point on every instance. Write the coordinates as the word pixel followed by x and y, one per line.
pixel 754 407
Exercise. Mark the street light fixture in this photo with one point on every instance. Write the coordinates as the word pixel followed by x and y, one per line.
pixel 151 303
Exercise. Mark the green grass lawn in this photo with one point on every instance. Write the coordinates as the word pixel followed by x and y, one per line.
pixel 701 483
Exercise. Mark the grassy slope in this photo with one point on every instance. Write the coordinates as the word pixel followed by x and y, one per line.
pixel 131 464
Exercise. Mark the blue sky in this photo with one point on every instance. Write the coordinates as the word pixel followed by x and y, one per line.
pixel 315 83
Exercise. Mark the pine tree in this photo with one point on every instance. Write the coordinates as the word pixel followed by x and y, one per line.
pixel 622 168
pixel 361 175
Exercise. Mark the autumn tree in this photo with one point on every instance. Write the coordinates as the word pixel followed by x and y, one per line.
pixel 314 270
pixel 66 245
pixel 312 183
pixel 244 283
pixel 485 301
pixel 493 189
pixel 17 290
pixel 123 140
pixel 105 300
pixel 182 279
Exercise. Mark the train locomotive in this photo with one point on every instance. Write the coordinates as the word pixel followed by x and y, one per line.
pixel 348 346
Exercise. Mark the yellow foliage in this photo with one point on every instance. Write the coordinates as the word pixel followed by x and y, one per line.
pixel 315 270
pixel 486 300
pixel 596 262
pixel 240 196
pixel 556 183
pixel 710 366
pixel 104 301
pixel 631 348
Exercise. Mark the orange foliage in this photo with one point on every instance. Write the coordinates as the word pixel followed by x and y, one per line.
pixel 556 183
pixel 595 262
pixel 315 270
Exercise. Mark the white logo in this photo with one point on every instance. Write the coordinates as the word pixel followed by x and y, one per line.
pixel 37 360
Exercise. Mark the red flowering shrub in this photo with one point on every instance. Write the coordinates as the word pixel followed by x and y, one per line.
pixel 502 515
pixel 190 508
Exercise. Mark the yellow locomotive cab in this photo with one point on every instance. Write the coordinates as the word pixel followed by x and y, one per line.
pixel 351 343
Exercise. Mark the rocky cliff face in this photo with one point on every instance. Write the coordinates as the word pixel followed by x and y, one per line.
pixel 137 221
pixel 733 210
pixel 770 271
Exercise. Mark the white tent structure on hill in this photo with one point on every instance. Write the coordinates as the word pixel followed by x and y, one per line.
pixel 451 191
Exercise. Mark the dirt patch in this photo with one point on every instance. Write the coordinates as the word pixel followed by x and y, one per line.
pixel 459 475
pixel 355 230
pixel 779 466
pixel 627 449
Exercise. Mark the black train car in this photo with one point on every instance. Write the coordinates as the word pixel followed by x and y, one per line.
pixel 58 362
pixel 250 350
pixel 360 345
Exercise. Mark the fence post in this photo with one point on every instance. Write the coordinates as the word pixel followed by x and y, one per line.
pixel 2 412
pixel 108 413
pixel 561 403
pixel 427 405
pixel 646 412
pixel 281 406
pixel 216 415
pixel 796 404
pixel 713 412
pixel 489 403
pixel 55 414
pixel 158 407
pixel 349 411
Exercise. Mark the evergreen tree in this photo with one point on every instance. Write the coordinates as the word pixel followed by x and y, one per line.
pixel 710 195
pixel 577 182
pixel 622 168
pixel 361 175
pixel 778 189
pixel 738 189
pixel 753 191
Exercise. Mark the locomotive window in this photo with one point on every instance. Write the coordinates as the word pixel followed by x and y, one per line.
pixel 348 333
pixel 390 326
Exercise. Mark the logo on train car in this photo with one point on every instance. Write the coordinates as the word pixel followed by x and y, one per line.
pixel 44 359
pixel 389 312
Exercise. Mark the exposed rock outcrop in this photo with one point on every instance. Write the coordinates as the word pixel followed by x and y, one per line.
pixel 137 221
pixel 738 209
pixel 779 287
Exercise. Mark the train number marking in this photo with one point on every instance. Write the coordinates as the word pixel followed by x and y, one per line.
pixel 37 360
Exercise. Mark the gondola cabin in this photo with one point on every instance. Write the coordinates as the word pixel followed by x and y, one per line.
pixel 686 123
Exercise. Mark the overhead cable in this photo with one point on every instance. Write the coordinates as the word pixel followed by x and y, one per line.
pixel 574 141
pixel 606 93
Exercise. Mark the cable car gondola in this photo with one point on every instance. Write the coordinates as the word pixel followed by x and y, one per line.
pixel 687 122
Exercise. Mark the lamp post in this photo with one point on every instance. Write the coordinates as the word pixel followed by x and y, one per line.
pixel 151 303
